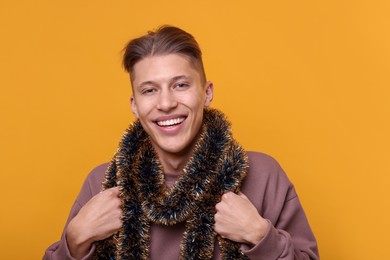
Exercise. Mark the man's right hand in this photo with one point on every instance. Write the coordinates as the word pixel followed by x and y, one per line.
pixel 98 219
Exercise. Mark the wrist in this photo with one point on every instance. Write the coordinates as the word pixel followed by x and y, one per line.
pixel 78 242
pixel 258 231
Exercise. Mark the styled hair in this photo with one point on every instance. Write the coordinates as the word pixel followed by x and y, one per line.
pixel 164 40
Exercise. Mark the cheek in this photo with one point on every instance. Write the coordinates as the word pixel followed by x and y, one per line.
pixel 144 106
pixel 196 100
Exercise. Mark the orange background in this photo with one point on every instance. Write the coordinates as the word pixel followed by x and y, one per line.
pixel 304 81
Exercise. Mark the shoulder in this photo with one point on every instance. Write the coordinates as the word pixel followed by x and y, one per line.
pixel 96 176
pixel 266 178
pixel 265 167
pixel 262 162
pixel 92 184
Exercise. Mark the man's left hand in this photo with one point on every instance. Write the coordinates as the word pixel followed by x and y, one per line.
pixel 238 220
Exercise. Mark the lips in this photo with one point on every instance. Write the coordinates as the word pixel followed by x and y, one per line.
pixel 170 122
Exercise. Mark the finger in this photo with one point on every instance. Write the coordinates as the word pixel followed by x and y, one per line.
pixel 112 191
pixel 242 195
pixel 218 206
pixel 228 195
pixel 116 188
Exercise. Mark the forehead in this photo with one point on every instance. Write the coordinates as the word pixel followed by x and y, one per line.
pixel 164 67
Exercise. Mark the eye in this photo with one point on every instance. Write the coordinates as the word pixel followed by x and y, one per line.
pixel 148 91
pixel 181 85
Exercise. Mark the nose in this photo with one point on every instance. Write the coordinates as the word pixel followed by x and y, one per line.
pixel 166 100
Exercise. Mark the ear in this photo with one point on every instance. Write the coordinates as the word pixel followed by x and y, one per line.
pixel 134 106
pixel 209 89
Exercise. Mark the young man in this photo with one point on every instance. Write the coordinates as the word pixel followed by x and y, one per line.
pixel 179 185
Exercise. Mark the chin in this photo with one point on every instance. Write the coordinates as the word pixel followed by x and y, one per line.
pixel 175 148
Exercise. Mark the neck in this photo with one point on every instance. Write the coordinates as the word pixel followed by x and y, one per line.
pixel 173 163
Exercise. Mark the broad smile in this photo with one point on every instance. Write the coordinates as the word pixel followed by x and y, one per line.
pixel 170 122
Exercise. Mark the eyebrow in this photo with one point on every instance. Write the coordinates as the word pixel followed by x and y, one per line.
pixel 176 78
pixel 180 77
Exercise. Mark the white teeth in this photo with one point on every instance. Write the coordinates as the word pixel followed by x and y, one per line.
pixel 171 122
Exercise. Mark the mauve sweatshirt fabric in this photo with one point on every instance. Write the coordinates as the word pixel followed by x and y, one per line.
pixel 266 185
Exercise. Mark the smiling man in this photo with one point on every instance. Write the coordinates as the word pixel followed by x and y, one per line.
pixel 179 185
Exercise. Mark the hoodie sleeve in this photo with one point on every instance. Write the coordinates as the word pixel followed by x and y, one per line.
pixel 92 185
pixel 289 235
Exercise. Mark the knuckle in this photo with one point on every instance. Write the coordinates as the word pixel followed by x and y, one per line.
pixel 117 203
pixel 216 229
pixel 217 217
pixel 108 192
pixel 112 192
pixel 226 196
pixel 118 224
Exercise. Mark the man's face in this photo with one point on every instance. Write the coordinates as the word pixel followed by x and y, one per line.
pixel 168 99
